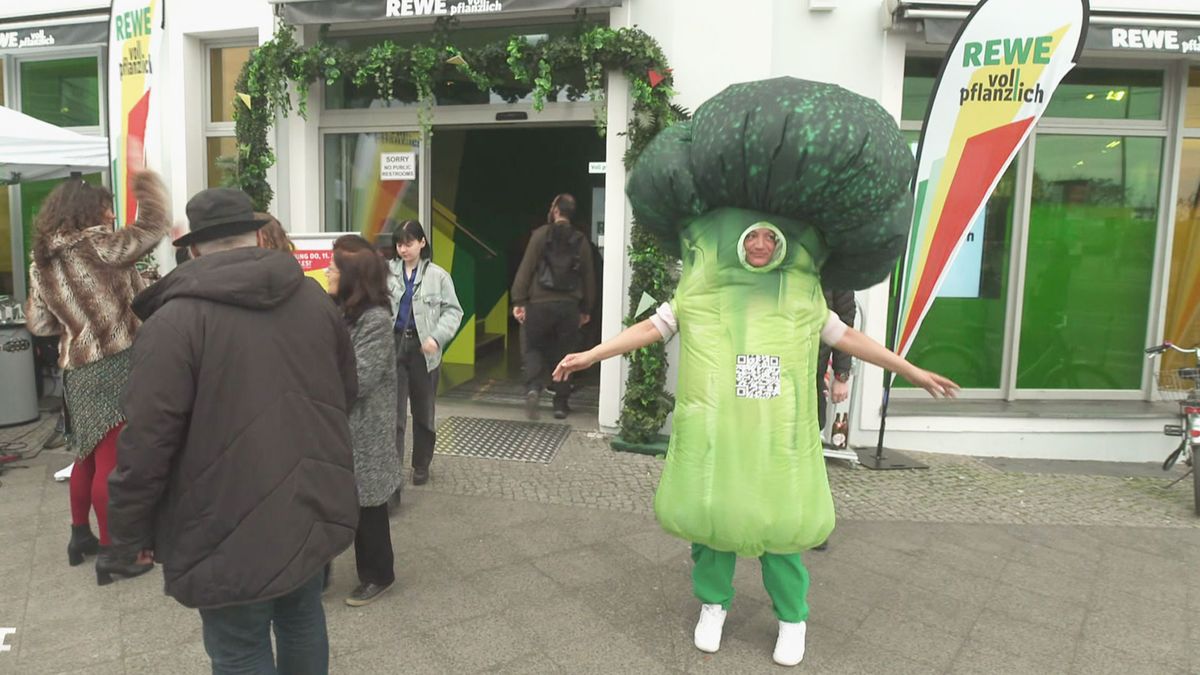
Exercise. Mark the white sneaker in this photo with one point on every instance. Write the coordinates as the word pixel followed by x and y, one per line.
pixel 64 474
pixel 708 628
pixel 789 647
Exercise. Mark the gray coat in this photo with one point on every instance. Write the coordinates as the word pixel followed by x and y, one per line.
pixel 373 414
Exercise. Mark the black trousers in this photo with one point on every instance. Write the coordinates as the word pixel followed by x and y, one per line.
pixel 373 546
pixel 551 331
pixel 418 386
pixel 823 356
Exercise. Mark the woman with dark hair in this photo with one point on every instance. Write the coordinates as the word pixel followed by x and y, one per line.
pixel 81 286
pixel 426 317
pixel 357 279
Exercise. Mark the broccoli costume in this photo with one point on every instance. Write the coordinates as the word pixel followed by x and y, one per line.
pixel 829 171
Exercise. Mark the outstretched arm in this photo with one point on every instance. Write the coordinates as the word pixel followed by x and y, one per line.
pixel 859 345
pixel 639 335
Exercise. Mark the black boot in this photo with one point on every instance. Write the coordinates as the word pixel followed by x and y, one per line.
pixel 108 564
pixel 82 543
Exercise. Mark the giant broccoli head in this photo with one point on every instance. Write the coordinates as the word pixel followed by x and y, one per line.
pixel 813 153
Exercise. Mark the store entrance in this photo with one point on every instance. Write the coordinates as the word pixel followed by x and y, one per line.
pixel 490 188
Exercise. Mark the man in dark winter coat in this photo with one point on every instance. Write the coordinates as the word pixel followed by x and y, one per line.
pixel 235 467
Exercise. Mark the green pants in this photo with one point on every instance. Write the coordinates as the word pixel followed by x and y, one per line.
pixel 784 577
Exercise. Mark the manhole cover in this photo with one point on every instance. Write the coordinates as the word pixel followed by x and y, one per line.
pixel 500 439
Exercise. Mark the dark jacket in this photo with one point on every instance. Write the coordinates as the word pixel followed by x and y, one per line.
pixel 527 290
pixel 235 466
pixel 842 303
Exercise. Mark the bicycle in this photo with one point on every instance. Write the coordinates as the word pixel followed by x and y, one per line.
pixel 1174 383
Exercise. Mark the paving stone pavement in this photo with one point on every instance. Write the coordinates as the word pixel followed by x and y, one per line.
pixel 523 568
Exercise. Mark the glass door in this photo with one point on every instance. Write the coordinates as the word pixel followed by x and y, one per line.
pixel 372 181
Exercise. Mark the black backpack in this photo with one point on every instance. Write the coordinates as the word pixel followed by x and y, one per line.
pixel 558 269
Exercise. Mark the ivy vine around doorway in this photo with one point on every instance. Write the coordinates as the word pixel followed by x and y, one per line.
pixel 571 65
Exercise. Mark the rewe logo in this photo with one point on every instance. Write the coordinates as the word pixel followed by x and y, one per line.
pixel 1145 38
pixel 416 7
pixel 4 633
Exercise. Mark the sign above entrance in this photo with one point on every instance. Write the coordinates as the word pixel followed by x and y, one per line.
pixel 597 167
pixel 1144 39
pixel 346 11
pixel 1123 38
pixel 29 38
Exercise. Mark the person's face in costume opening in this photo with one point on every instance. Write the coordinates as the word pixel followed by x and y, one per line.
pixel 760 247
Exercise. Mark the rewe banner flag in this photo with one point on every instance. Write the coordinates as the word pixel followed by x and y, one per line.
pixel 135 37
pixel 996 82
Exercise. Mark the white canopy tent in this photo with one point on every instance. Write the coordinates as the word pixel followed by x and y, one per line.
pixel 31 149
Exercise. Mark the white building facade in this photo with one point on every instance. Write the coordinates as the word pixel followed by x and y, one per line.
pixel 1086 254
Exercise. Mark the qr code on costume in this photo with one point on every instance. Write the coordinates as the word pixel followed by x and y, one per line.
pixel 757 376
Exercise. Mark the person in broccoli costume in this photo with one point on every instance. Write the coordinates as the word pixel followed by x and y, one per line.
pixel 772 189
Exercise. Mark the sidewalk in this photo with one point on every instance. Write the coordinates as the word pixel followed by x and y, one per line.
pixel 527 568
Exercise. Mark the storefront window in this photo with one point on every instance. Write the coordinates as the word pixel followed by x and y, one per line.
pixel 225 64
pixel 919 76
pixel 1096 93
pixel 1090 258
pixel 450 87
pixel 222 160
pixel 1192 115
pixel 64 92
pixel 1182 324
pixel 371 181
pixel 962 335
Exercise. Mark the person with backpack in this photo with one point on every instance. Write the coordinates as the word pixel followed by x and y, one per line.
pixel 552 296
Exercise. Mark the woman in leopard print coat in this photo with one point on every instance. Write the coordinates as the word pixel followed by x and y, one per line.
pixel 81 286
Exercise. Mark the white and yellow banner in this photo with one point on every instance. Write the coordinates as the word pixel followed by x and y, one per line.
pixel 134 129
pixel 996 82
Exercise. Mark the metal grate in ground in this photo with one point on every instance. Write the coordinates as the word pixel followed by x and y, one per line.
pixel 500 439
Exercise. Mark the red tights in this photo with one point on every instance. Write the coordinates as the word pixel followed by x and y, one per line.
pixel 89 483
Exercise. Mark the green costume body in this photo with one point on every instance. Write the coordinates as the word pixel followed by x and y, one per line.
pixel 829 171
pixel 744 469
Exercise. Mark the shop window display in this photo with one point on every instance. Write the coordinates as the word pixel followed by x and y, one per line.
pixel 1182 320
pixel 63 92
pixel 1090 262
pixel 358 198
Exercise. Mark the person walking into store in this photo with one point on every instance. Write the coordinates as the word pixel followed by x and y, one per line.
pixel 235 466
pixel 82 283
pixel 553 295
pixel 842 303
pixel 426 316
pixel 357 281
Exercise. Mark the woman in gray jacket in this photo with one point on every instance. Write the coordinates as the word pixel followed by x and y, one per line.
pixel 358 283
pixel 426 316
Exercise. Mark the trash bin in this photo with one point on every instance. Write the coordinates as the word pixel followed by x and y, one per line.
pixel 18 383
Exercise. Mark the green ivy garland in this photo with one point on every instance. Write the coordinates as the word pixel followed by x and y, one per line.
pixel 568 66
